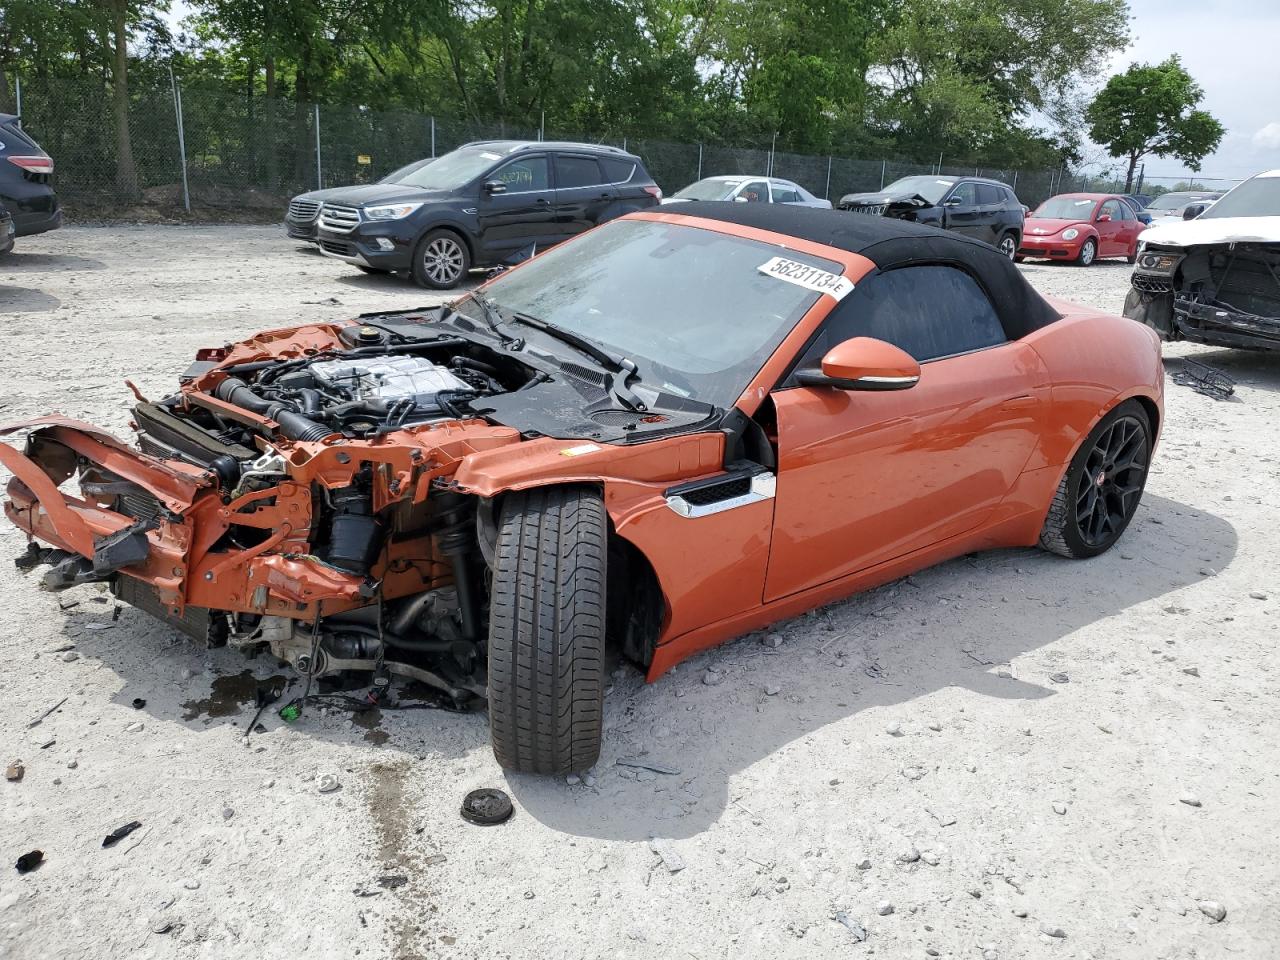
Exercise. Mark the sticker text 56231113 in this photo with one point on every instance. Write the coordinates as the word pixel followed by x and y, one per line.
pixel 803 275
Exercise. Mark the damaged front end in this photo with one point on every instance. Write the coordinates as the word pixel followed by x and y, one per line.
pixel 902 207
pixel 295 492
pixel 1225 294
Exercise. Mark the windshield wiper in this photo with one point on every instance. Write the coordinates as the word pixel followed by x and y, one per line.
pixel 490 315
pixel 623 366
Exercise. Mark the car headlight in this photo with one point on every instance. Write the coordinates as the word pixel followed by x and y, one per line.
pixel 1070 233
pixel 390 211
pixel 1158 262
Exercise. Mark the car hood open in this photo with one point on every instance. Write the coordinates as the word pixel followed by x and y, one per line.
pixel 1190 233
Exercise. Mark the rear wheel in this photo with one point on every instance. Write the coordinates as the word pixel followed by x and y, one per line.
pixel 1088 252
pixel 1102 487
pixel 546 630
pixel 440 260
pixel 1009 246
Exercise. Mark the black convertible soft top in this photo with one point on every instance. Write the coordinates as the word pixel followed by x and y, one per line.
pixel 891 243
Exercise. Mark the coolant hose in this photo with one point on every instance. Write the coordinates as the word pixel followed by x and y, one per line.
pixel 293 425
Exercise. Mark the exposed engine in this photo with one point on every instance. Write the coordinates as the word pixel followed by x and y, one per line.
pixel 315 497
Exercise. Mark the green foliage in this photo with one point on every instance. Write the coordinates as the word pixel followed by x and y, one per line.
pixel 914 78
pixel 1153 110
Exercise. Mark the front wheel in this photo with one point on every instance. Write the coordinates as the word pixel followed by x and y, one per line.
pixel 440 260
pixel 1088 252
pixel 1102 487
pixel 546 630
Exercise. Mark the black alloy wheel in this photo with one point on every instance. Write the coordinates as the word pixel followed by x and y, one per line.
pixel 1102 487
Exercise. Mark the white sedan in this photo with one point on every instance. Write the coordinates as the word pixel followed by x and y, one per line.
pixel 748 189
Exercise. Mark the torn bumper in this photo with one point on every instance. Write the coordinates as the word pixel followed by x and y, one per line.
pixel 175 547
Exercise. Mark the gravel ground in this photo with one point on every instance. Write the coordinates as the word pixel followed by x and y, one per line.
pixel 965 763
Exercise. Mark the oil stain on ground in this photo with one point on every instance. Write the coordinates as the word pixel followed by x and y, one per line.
pixel 230 694
pixel 370 721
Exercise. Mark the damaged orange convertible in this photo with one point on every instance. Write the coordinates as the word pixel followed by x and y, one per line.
pixel 669 431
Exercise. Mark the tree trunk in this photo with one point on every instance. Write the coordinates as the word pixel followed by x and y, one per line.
pixel 273 160
pixel 126 172
pixel 1128 180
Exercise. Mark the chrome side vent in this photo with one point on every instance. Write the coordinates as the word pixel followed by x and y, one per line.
pixel 727 491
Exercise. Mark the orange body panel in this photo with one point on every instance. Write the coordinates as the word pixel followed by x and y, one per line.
pixel 870 485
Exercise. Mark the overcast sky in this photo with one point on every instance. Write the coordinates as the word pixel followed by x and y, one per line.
pixel 1232 48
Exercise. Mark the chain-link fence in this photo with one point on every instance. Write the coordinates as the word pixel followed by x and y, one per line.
pixel 236 155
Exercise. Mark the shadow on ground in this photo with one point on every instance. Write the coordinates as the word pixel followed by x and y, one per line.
pixel 888 647
pixel 26 300
pixel 1259 369
pixel 19 262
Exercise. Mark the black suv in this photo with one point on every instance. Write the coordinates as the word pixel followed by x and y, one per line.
pixel 25 172
pixel 483 204
pixel 985 209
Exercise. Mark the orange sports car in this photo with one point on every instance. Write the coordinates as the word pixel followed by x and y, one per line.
pixel 669 431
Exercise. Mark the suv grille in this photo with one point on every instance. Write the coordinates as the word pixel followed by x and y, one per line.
pixel 342 219
pixel 1152 284
pixel 874 209
pixel 303 211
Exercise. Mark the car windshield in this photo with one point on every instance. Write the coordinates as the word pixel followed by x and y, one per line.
pixel 1066 208
pixel 690 306
pixel 1259 197
pixel 708 190
pixel 1175 201
pixel 453 170
pixel 399 175
pixel 932 189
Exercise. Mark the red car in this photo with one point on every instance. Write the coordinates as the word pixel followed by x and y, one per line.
pixel 667 432
pixel 1081 227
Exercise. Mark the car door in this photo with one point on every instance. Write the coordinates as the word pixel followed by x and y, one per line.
pixel 1130 227
pixel 1111 234
pixel 582 193
pixel 523 213
pixel 961 212
pixel 990 212
pixel 784 192
pixel 865 477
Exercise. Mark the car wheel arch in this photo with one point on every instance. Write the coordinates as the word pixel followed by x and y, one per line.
pixel 636 607
pixel 452 228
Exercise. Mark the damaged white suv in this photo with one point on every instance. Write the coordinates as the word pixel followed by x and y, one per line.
pixel 1215 279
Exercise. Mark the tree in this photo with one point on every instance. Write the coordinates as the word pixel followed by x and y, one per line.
pixel 1152 110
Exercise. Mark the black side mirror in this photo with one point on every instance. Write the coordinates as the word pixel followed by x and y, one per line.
pixel 1193 210
pixel 494 186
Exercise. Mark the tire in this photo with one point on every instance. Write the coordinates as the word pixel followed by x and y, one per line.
pixel 440 260
pixel 1008 245
pixel 547 631
pixel 1088 252
pixel 1099 494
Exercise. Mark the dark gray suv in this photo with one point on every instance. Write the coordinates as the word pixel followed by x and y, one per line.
pixel 985 209
pixel 484 204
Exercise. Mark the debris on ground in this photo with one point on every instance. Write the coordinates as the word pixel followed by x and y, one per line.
pixel 29 861
pixel 138 703
pixel 1049 930
pixel 1190 799
pixel 670 857
pixel 853 926
pixel 40 719
pixel 1205 379
pixel 135 727
pixel 119 833
pixel 328 783
pixel 392 881
pixel 487 807
pixel 1213 910
pixel 653 765
pixel 884 908
pixel 14 771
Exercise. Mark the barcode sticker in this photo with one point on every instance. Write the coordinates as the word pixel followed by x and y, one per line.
pixel 803 275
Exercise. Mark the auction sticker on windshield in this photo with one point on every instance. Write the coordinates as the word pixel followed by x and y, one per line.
pixel 803 275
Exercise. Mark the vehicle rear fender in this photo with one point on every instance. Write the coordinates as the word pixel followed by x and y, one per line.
pixel 1095 362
